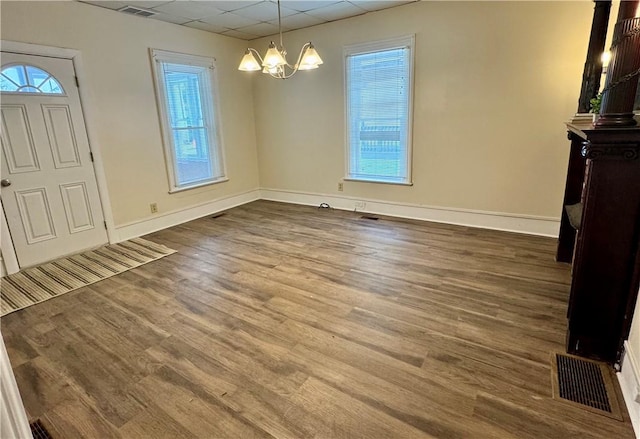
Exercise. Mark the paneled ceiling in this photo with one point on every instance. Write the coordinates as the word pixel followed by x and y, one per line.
pixel 247 19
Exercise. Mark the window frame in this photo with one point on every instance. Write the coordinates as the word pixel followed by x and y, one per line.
pixel 211 116
pixel 62 93
pixel 406 41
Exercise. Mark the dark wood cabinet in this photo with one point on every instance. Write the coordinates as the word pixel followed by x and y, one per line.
pixel 603 180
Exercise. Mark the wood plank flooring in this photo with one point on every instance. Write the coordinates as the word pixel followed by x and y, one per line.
pixel 286 321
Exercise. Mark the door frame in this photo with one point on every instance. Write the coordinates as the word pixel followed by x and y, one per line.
pixel 86 101
pixel 13 418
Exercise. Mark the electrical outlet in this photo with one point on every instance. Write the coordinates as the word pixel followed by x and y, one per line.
pixel 153 207
pixel 340 186
pixel 360 205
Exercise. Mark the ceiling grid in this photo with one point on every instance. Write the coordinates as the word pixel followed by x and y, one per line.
pixel 250 19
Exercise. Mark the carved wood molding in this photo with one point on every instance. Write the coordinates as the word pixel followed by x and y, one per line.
pixel 610 151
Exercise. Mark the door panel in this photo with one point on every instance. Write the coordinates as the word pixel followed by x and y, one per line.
pixel 77 206
pixel 52 205
pixel 64 147
pixel 17 142
pixel 35 214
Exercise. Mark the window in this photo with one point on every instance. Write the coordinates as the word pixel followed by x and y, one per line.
pixel 187 97
pixel 22 78
pixel 379 94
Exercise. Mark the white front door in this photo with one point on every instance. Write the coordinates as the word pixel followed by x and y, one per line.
pixel 49 190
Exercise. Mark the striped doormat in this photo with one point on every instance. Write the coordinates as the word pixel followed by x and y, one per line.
pixel 37 284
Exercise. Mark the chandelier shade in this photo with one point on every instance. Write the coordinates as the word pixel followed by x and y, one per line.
pixel 273 57
pixel 249 62
pixel 310 60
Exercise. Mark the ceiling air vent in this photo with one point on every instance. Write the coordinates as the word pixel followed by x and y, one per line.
pixel 136 11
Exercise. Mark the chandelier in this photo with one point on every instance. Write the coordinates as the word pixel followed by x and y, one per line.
pixel 275 62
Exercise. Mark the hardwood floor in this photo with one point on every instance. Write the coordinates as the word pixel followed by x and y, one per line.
pixel 285 321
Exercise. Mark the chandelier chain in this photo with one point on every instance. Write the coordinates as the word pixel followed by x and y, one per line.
pixel 280 25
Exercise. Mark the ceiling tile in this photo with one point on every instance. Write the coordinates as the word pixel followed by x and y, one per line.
pixel 250 19
pixel 190 9
pixel 233 5
pixel 207 26
pixel 337 11
pixel 298 21
pixel 239 34
pixel 305 5
pixel 115 5
pixel 147 4
pixel 260 29
pixel 265 11
pixel 170 18
pixel 230 20
pixel 373 5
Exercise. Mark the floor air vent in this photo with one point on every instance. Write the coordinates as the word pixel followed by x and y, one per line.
pixel 370 217
pixel 218 215
pixel 586 384
pixel 39 431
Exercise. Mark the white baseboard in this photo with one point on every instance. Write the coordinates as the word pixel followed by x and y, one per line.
pixel 629 378
pixel 170 219
pixel 529 224
pixel 533 225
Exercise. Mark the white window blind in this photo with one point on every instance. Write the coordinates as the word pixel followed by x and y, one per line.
pixel 186 94
pixel 378 98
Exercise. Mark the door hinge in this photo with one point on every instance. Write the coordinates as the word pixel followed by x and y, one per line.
pixel 91 155
pixel 105 224
pixel 77 82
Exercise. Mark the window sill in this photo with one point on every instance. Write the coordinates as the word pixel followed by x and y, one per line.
pixel 364 180
pixel 197 185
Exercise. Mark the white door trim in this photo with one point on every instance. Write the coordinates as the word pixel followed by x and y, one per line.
pixel 13 418
pixel 9 256
pixel 86 102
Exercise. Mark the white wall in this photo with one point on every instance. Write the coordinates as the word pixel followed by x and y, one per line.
pixel 630 375
pixel 634 336
pixel 494 83
pixel 115 53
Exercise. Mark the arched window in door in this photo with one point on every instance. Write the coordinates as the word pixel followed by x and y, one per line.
pixel 24 78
